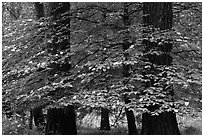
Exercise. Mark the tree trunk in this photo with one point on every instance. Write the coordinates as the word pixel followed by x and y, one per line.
pixel 55 10
pixel 39 9
pixel 158 15
pixel 105 124
pixel 132 130
pixel 164 124
pixel 36 115
pixel 61 121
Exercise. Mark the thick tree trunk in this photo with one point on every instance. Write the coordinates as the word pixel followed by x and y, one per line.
pixel 39 9
pixel 164 124
pixel 158 15
pixel 105 124
pixel 132 129
pixel 59 33
pixel 61 121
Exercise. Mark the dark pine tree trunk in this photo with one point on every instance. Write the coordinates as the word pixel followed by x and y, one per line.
pixel 39 9
pixel 62 120
pixel 132 129
pixel 158 15
pixel 105 124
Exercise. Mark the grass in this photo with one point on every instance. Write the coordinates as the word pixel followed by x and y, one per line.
pixel 189 124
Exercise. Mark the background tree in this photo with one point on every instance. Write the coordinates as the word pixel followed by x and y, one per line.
pixel 36 112
pixel 125 46
pixel 158 16
pixel 105 124
pixel 60 120
pixel 39 7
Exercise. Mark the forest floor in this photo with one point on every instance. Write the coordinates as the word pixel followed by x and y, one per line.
pixel 190 124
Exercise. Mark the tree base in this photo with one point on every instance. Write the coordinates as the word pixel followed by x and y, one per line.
pixel 164 124
pixel 132 129
pixel 105 124
pixel 61 121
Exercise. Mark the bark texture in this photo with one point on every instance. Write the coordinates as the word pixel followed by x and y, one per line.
pixel 158 15
pixel 105 124
pixel 39 8
pixel 61 121
pixel 164 124
pixel 55 11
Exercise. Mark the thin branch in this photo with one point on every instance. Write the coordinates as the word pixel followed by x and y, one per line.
pixel 118 116
pixel 181 51
pixel 12 13
pixel 134 11
pixel 85 58
pixel 92 21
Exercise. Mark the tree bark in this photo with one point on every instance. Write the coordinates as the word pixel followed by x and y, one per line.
pixel 105 124
pixel 55 10
pixel 36 115
pixel 164 124
pixel 61 121
pixel 39 8
pixel 132 129
pixel 158 15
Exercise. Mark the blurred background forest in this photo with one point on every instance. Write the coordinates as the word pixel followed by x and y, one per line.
pixel 76 54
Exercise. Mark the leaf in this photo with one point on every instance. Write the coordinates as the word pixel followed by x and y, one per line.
pixel 74 97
